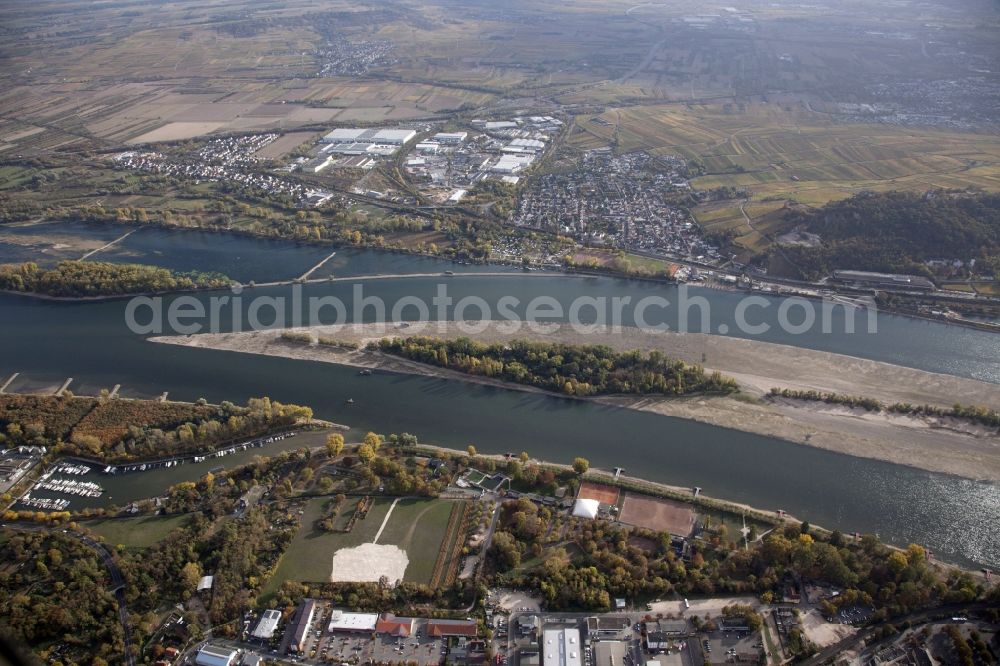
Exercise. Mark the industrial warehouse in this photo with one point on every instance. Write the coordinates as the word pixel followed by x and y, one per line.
pixel 356 141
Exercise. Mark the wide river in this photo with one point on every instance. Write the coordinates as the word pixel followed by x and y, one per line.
pixel 957 518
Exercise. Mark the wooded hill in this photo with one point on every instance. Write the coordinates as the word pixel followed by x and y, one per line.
pixel 898 232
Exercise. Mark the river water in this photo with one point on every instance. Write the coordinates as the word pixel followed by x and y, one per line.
pixel 957 518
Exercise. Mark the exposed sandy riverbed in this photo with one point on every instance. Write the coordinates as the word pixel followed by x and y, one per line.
pixel 941 445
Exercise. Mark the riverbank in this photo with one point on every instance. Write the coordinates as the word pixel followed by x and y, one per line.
pixel 938 445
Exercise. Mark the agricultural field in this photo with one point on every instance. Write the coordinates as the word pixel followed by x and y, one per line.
pixel 778 154
pixel 789 152
pixel 136 532
pixel 425 531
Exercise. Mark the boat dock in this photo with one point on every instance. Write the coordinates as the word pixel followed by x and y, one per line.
pixel 180 460
pixel 105 247
pixel 10 380
pixel 63 388
pixel 305 276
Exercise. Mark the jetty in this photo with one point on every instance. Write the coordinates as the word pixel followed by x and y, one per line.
pixel 305 276
pixel 180 460
pixel 105 247
pixel 10 380
pixel 62 389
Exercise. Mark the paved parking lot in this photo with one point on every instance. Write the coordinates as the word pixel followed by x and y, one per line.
pixel 345 647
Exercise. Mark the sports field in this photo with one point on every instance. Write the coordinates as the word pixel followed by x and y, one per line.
pixel 411 538
pixel 598 491
pixel 658 514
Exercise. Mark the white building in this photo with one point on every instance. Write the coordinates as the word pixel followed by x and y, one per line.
pixel 561 647
pixel 362 148
pixel 428 146
pixel 500 125
pixel 512 163
pixel 456 196
pixel 524 146
pixel 451 137
pixel 393 137
pixel 586 508
pixel 266 625
pixel 317 165
pixel 362 622
pixel 215 655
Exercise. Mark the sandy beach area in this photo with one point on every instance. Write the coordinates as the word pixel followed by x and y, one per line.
pixel 940 445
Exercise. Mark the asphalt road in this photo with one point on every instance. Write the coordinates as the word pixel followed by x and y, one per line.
pixel 116 584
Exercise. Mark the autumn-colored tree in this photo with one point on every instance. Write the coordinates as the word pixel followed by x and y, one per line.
pixel 366 453
pixel 334 444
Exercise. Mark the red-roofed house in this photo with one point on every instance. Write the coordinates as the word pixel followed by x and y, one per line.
pixel 443 628
pixel 401 627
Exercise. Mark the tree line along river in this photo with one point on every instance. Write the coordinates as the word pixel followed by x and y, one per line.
pixel 957 518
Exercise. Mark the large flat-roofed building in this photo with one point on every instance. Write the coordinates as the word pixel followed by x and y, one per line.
pixel 524 146
pixel 512 163
pixel 362 148
pixel 610 653
pixel 602 626
pixel 266 625
pixel 528 657
pixel 360 622
pixel 318 164
pixel 660 634
pixel 450 137
pixel 394 137
pixel 884 280
pixel 215 655
pixel 561 647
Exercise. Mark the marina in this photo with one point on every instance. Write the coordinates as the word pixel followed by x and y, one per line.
pixel 70 487
pixel 173 462
pixel 955 516
pixel 45 503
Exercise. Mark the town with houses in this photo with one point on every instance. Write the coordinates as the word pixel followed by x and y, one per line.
pixel 619 201
pixel 341 56
pixel 608 200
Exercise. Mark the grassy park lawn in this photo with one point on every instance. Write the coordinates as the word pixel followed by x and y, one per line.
pixel 416 526
pixel 309 556
pixel 136 532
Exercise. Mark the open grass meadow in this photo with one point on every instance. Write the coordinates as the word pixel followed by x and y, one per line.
pixel 136 532
pixel 417 526
pixel 310 554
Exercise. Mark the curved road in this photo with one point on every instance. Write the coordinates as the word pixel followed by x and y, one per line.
pixel 117 583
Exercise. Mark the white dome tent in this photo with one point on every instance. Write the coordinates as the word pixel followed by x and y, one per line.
pixel 586 508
